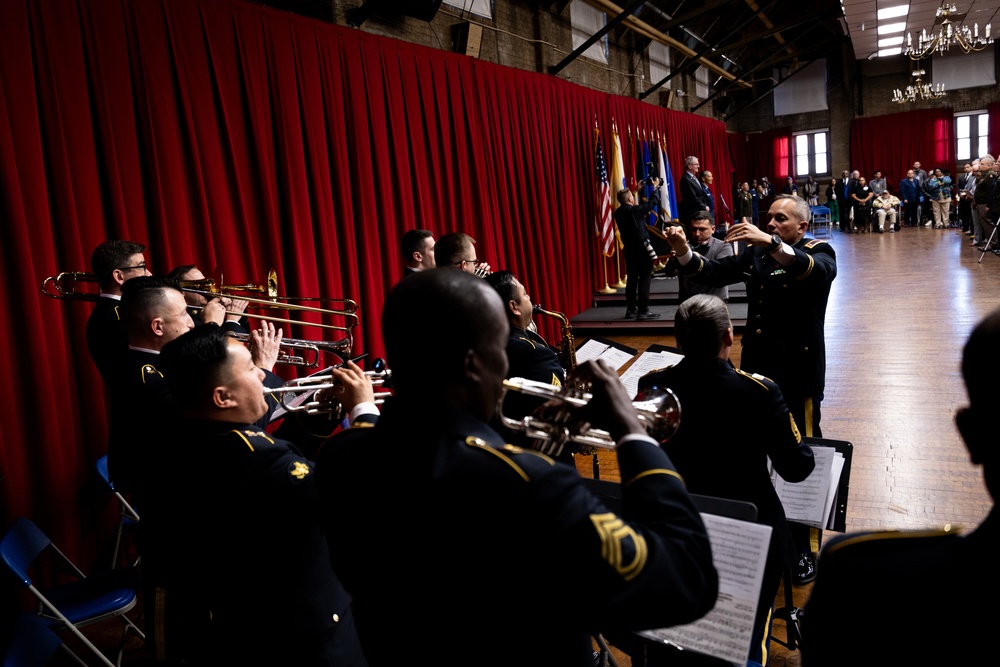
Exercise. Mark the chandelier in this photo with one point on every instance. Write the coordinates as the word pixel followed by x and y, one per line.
pixel 951 32
pixel 918 90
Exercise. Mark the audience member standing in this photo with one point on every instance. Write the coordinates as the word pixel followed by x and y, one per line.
pixel 984 190
pixel 909 192
pixel 965 188
pixel 939 188
pixel 861 198
pixel 692 193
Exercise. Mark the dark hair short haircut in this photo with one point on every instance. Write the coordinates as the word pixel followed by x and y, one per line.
pixel 700 324
pixel 503 283
pixel 413 241
pixel 703 215
pixel 179 271
pixel 112 255
pixel 458 301
pixel 143 297
pixel 193 364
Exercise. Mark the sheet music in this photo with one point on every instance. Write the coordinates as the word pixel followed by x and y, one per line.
pixel 806 501
pixel 646 363
pixel 739 552
pixel 831 499
pixel 599 348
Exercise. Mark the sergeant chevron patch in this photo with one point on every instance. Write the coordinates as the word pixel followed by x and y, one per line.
pixel 623 548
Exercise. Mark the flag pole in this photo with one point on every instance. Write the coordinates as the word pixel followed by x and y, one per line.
pixel 604 266
pixel 618 261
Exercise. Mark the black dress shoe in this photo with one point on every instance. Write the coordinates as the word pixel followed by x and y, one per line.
pixel 649 315
pixel 805 570
pixel 630 314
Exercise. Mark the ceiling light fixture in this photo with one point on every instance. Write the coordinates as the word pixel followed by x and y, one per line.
pixel 951 32
pixel 919 90
pixel 893 12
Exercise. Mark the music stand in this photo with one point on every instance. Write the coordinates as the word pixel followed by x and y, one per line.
pixel 989 242
pixel 790 613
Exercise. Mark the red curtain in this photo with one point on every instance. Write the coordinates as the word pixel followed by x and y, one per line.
pixel 241 138
pixel 892 143
pixel 993 110
pixel 760 154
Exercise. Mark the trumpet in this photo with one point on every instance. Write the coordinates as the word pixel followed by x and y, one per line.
pixel 304 352
pixel 658 409
pixel 294 395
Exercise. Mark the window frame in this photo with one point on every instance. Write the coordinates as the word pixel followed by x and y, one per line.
pixel 811 152
pixel 975 139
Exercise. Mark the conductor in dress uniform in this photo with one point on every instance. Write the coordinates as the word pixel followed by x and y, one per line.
pixel 485 544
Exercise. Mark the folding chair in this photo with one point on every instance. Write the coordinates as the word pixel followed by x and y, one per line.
pixel 821 216
pixel 129 517
pixel 80 602
pixel 32 643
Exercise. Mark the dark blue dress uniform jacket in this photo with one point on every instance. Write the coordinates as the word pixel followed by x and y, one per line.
pixel 445 537
pixel 783 339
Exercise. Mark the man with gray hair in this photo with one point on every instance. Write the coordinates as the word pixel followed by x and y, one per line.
pixel 985 190
pixel 692 194
pixel 758 427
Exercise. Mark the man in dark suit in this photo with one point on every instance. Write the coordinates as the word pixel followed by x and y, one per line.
pixel 113 262
pixel 704 242
pixel 512 546
pixel 692 193
pixel 927 580
pixel 729 457
pixel 417 246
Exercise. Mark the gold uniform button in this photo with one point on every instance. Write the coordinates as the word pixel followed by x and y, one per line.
pixel 757 332
pixel 336 618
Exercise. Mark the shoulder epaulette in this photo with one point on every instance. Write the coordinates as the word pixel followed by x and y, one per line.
pixel 149 370
pixel 756 377
pixel 249 436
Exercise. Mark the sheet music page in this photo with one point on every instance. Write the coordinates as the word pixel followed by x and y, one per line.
pixel 831 498
pixel 739 551
pixel 617 358
pixel 590 350
pixel 805 501
pixel 646 363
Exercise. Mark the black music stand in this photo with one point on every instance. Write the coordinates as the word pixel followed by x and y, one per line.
pixel 790 613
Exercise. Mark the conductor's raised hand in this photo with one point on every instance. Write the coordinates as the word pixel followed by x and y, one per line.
pixel 677 238
pixel 265 345
pixel 749 234
pixel 610 408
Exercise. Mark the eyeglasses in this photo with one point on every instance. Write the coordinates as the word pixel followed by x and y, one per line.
pixel 462 262
pixel 140 267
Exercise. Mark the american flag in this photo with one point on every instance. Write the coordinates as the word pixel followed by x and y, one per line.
pixel 604 211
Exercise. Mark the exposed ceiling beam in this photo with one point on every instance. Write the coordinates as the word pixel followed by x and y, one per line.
pixel 647 30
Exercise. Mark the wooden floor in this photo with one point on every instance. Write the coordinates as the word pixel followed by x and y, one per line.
pixel 900 311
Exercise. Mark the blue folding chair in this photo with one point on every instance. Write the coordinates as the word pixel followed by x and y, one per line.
pixel 129 517
pixel 32 643
pixel 821 217
pixel 80 602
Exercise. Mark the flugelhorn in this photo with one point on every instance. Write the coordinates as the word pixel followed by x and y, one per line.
pixel 300 395
pixel 658 409
pixel 299 352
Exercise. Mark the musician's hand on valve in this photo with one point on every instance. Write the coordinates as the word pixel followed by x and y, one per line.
pixel 214 311
pixel 610 408
pixel 265 344
pixel 353 387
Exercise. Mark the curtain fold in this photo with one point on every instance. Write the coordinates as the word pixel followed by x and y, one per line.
pixel 241 138
pixel 893 142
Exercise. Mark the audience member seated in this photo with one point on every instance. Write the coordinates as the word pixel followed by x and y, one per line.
pixel 885 206
pixel 935 590
pixel 503 554
pixel 728 457
pixel 861 198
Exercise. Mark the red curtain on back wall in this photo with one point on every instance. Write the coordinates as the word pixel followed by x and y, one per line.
pixel 763 154
pixel 892 143
pixel 241 138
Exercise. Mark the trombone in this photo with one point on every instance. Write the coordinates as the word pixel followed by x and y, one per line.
pixel 271 300
pixel 64 286
pixel 294 395
pixel 658 409
pixel 304 352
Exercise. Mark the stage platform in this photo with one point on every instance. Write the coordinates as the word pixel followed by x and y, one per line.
pixel 607 316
